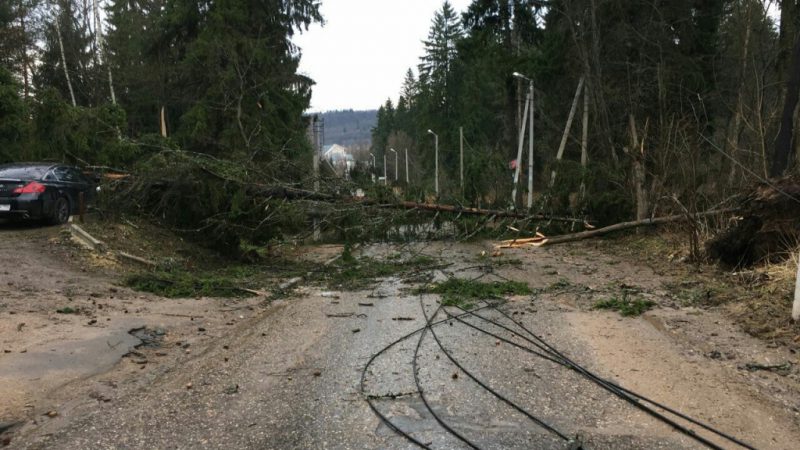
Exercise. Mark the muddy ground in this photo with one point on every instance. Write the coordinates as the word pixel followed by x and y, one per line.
pixel 89 363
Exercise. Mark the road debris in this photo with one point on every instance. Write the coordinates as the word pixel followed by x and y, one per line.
pixel 341 315
pixel 780 369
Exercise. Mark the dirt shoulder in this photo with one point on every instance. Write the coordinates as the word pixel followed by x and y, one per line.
pixel 66 326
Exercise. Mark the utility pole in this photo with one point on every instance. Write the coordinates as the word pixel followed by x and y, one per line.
pixel 436 156
pixel 528 119
pixel 316 140
pixel 461 156
pixel 395 163
pixel 519 154
pixel 385 180
pixel 407 182
pixel 373 167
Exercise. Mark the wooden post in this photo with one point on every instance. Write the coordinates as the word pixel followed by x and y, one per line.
pixel 81 207
pixel 571 117
pixel 163 123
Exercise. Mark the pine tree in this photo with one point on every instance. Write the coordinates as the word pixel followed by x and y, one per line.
pixel 440 51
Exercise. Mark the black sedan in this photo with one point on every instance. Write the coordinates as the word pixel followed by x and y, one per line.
pixel 42 191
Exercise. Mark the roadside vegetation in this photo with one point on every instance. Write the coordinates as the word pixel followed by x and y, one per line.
pixel 626 305
pixel 466 293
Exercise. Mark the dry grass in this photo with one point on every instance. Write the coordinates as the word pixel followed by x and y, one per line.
pixel 759 299
pixel 766 312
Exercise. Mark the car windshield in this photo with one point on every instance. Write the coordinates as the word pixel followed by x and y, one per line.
pixel 23 173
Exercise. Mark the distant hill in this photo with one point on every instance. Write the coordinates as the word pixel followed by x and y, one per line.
pixel 349 128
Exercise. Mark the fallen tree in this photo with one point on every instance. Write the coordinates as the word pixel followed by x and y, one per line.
pixel 540 241
pixel 767 229
pixel 224 204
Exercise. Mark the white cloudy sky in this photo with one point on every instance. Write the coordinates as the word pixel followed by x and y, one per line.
pixel 360 56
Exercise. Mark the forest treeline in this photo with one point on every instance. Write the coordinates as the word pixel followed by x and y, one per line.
pixel 687 101
pixel 103 82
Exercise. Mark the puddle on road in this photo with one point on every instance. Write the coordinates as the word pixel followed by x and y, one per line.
pixel 50 366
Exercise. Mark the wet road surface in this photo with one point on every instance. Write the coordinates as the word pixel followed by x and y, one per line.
pixel 290 377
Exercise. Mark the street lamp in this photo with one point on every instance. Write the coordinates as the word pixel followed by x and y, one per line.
pixel 436 155
pixel 529 104
pixel 395 163
pixel 407 182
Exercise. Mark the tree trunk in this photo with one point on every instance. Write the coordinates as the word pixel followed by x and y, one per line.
pixel 786 39
pixel 639 174
pixel 628 225
pixel 64 62
pixel 584 140
pixel 98 34
pixel 26 81
pixel 735 126
pixel 783 144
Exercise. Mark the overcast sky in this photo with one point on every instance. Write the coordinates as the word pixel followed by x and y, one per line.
pixel 360 57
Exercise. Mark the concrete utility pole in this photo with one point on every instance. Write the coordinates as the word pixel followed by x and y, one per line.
pixel 373 167
pixel 385 180
pixel 395 163
pixel 436 156
pixel 316 132
pixel 407 182
pixel 519 153
pixel 528 118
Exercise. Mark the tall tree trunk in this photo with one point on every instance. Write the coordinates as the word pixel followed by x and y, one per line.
pixel 735 125
pixel 26 82
pixel 64 62
pixel 584 140
pixel 783 144
pixel 639 174
pixel 788 34
pixel 98 33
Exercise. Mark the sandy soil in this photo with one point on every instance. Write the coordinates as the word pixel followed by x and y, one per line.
pixel 244 374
